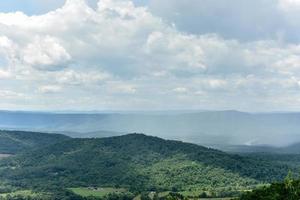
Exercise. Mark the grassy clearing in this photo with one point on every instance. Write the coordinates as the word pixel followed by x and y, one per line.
pixel 24 193
pixel 96 192
pixel 163 194
pixel 4 155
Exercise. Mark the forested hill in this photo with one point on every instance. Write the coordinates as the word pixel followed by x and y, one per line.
pixel 137 162
pixel 12 142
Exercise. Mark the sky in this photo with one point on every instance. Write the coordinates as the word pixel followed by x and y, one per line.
pixel 150 55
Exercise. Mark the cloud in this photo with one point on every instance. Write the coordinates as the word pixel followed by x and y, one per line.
pixel 121 88
pixel 119 52
pixel 180 90
pixel 233 19
pixel 46 54
pixel 5 74
pixel 46 89
pixel 71 77
pixel 7 94
pixel 288 5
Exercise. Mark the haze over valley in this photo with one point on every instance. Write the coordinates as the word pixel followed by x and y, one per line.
pixel 201 127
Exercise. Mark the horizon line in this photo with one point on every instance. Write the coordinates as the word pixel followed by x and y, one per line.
pixel 174 111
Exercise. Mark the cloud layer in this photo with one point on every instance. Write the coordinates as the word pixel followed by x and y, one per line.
pixel 122 56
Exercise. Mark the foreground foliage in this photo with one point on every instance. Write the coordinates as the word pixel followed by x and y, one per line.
pixel 288 190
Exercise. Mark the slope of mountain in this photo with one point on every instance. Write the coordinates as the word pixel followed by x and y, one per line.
pixel 137 162
pixel 12 142
pixel 291 149
pixel 205 127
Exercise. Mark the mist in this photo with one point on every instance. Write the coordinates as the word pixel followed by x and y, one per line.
pixel 202 127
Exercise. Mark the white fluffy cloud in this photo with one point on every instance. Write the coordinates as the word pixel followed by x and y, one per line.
pixel 289 4
pixel 9 94
pixel 120 56
pixel 46 54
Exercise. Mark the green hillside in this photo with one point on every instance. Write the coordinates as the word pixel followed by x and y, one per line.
pixel 12 142
pixel 138 163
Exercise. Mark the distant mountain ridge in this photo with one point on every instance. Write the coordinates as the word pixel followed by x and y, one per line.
pixel 203 127
pixel 290 149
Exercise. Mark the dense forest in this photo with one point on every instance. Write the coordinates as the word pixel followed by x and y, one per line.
pixel 137 164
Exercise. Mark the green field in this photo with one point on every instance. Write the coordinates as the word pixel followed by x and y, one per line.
pixel 96 192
